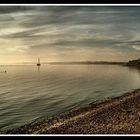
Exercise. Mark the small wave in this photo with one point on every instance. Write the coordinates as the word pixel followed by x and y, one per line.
pixel 5 93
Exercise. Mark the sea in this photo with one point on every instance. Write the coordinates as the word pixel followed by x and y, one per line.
pixel 30 92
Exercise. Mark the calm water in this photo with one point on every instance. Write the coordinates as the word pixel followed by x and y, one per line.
pixel 27 93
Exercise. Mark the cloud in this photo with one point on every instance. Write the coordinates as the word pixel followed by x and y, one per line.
pixel 136 48
pixel 43 29
pixel 12 9
pixel 133 42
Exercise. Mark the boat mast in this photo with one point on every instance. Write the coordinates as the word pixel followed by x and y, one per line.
pixel 38 61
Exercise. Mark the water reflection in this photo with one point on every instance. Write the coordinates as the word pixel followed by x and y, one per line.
pixel 38 68
pixel 134 69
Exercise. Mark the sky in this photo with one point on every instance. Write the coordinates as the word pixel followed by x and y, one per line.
pixel 69 33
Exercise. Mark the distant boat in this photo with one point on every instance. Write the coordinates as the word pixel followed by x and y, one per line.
pixel 38 64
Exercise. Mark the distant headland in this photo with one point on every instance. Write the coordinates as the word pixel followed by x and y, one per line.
pixel 134 63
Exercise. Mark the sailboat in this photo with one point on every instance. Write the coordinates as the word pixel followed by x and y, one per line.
pixel 38 64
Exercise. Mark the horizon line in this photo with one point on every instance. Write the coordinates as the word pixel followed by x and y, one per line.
pixel 87 61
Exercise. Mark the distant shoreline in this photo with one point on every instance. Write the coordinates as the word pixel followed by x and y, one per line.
pixel 91 63
pixel 70 63
pixel 119 115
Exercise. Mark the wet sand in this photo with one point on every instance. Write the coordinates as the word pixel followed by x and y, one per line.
pixel 120 115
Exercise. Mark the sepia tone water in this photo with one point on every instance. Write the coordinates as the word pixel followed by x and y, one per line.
pixel 27 92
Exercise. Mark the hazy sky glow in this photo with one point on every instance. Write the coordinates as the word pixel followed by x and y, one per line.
pixel 72 33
